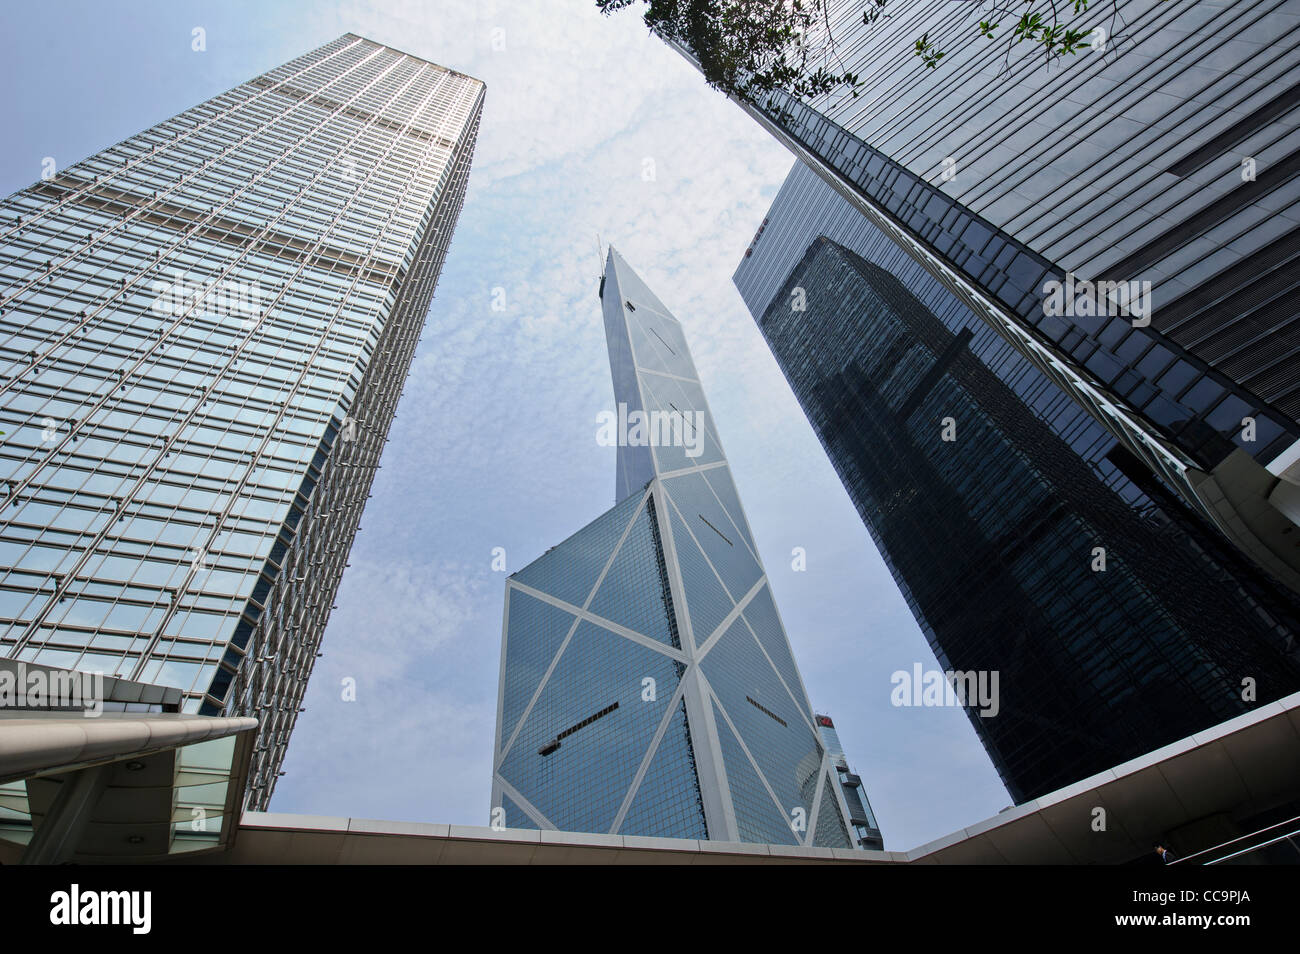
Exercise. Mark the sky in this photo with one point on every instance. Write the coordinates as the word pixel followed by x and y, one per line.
pixel 593 132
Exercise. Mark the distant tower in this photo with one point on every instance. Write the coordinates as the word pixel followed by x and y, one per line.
pixel 647 685
pixel 865 829
pixel 204 331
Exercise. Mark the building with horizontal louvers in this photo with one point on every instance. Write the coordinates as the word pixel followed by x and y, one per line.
pixel 204 331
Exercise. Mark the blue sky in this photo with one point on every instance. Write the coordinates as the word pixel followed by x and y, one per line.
pixel 494 444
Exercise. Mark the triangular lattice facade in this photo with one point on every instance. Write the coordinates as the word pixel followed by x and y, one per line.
pixel 647 684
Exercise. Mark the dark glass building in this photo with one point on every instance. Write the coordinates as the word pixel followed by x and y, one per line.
pixel 1025 538
pixel 647 684
pixel 1165 158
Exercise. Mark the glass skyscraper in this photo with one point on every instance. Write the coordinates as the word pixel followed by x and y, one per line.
pixel 1164 152
pixel 1024 537
pixel 647 684
pixel 866 830
pixel 204 331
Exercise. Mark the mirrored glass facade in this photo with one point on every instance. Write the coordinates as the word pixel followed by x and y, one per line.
pixel 1141 159
pixel 204 331
pixel 647 684
pixel 1024 537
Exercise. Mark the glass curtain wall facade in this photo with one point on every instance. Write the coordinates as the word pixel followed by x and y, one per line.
pixel 647 684
pixel 1147 161
pixel 993 535
pixel 204 331
pixel 866 830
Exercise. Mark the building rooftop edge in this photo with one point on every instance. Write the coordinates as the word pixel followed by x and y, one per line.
pixel 414 56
